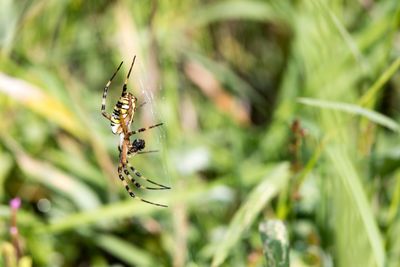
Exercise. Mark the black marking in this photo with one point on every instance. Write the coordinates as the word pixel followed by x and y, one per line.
pixel 124 88
pixel 147 151
pixel 160 205
pixel 103 107
pixel 115 73
pixel 132 180
pixel 148 180
pixel 138 185
pixel 133 62
pixel 144 129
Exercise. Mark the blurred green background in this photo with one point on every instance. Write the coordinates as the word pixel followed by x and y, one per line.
pixel 272 110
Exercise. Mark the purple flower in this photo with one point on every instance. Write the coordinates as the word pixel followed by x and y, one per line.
pixel 13 230
pixel 15 203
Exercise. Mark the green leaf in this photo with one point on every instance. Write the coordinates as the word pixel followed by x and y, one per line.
pixel 35 99
pixel 43 172
pixel 371 94
pixel 125 251
pixel 245 216
pixel 251 10
pixel 275 243
pixel 353 109
pixel 123 209
pixel 354 217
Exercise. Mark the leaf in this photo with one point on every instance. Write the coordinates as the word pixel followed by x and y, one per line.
pixel 8 253
pixel 25 262
pixel 119 210
pixel 247 213
pixel 251 10
pixel 354 217
pixel 36 100
pixel 370 95
pixel 125 251
pixel 50 176
pixel 275 243
pixel 353 109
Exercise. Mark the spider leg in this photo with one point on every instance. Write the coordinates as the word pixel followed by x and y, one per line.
pixel 141 152
pixel 103 102
pixel 138 174
pixel 138 185
pixel 127 77
pixel 144 129
pixel 124 182
pixel 141 105
pixel 148 151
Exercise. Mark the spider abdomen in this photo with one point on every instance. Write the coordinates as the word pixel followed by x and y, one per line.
pixel 125 109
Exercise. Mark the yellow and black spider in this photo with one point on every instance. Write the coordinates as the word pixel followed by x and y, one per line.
pixel 121 120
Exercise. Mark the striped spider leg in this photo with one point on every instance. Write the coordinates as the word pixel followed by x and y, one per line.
pixel 126 151
pixel 121 120
pixel 136 148
pixel 126 105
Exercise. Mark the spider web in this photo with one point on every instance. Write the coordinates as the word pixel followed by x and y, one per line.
pixel 146 95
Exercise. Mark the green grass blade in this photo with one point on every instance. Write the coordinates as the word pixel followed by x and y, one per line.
pixel 245 216
pixel 346 36
pixel 122 209
pixel 125 251
pixel 41 103
pixel 43 172
pixel 371 94
pixel 353 109
pixel 116 210
pixel 252 10
pixel 355 224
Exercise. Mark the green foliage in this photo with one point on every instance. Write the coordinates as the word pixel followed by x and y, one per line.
pixel 275 243
pixel 9 258
pixel 244 217
pixel 272 110
pixel 355 110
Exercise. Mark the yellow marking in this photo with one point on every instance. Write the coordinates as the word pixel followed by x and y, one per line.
pixel 115 121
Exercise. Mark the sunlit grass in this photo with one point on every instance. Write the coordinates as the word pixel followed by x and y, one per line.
pixel 228 79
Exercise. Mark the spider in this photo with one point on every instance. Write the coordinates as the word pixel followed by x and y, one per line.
pixel 121 120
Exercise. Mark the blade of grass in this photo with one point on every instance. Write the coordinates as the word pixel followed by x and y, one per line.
pixel 369 98
pixel 125 251
pixel 357 217
pixel 119 210
pixel 252 10
pixel 35 99
pixel 245 216
pixel 346 36
pixel 353 109
pixel 50 176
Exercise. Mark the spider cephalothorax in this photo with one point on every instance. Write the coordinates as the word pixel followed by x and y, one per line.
pixel 121 120
pixel 137 146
